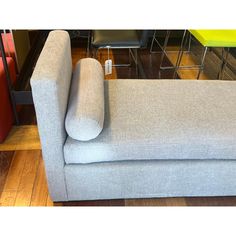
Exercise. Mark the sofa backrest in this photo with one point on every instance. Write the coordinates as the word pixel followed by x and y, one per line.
pixel 50 84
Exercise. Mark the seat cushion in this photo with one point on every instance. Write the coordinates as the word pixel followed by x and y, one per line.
pixel 85 114
pixel 162 119
pixel 115 38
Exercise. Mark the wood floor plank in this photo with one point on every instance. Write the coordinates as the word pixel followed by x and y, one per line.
pixel 40 189
pixel 49 202
pixel 8 198
pixel 144 202
pixel 5 162
pixel 79 53
pixel 211 201
pixel 118 202
pixel 24 137
pixel 178 201
pixel 187 201
pixel 156 202
pixel 15 171
pixel 187 60
pixel 12 182
pixel 27 179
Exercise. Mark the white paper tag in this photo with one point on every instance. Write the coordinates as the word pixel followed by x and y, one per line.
pixel 108 67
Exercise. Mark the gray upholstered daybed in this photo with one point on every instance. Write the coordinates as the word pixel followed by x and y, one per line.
pixel 139 138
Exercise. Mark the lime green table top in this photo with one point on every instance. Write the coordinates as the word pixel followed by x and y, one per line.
pixel 215 38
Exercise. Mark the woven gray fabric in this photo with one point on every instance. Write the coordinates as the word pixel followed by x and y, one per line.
pixel 50 84
pixel 146 179
pixel 85 115
pixel 165 119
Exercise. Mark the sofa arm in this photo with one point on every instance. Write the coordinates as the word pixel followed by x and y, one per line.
pixel 50 84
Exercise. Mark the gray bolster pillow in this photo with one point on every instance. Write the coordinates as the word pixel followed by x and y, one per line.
pixel 85 114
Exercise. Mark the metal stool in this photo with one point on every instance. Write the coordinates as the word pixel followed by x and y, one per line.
pixel 165 52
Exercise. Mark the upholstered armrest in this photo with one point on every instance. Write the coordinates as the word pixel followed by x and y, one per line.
pixel 50 84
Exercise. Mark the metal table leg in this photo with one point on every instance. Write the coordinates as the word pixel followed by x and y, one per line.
pixel 180 54
pixel 202 63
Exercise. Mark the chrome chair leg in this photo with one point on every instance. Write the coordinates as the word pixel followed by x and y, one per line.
pixel 153 39
pixel 189 43
pixel 135 58
pixel 133 55
pixel 180 54
pixel 164 50
pixel 181 47
pixel 202 63
pixel 136 61
pixel 129 56
pixel 125 64
pixel 163 54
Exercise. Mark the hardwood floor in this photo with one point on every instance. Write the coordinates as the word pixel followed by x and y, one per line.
pixel 5 162
pixel 22 175
pixel 23 137
pixel 25 184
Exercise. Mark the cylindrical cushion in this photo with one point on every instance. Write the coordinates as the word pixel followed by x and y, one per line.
pixel 85 114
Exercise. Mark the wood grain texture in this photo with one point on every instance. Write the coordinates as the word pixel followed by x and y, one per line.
pixel 187 60
pixel 8 198
pixel 40 188
pixel 27 180
pixel 79 53
pixel 211 201
pixel 12 182
pixel 118 202
pixel 183 201
pixel 156 202
pixel 49 202
pixel 15 171
pixel 23 137
pixel 5 162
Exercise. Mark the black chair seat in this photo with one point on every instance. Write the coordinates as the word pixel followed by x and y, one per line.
pixel 116 38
